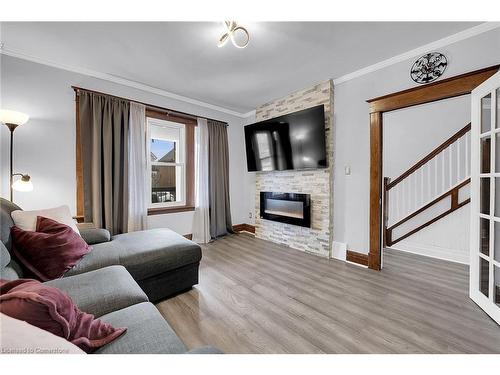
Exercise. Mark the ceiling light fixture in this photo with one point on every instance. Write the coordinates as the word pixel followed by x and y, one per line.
pixel 231 29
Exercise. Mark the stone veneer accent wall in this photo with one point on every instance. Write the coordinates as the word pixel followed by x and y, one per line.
pixel 318 183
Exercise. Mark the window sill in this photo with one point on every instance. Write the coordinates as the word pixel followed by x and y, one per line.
pixel 169 210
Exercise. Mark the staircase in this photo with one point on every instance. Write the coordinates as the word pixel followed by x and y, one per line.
pixel 431 189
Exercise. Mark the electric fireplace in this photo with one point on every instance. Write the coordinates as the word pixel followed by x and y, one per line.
pixel 289 208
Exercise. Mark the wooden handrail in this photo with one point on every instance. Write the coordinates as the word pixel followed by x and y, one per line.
pixel 429 156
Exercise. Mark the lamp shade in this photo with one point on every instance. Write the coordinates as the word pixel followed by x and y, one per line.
pixel 13 117
pixel 23 184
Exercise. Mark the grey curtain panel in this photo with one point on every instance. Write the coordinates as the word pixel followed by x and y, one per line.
pixel 218 177
pixel 104 131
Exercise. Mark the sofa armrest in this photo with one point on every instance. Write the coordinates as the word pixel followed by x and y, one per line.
pixel 95 236
pixel 204 350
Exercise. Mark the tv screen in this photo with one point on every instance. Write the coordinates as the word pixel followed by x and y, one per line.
pixel 292 141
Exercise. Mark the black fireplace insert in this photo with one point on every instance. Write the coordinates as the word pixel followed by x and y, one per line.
pixel 289 208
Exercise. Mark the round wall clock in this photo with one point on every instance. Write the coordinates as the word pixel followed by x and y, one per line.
pixel 428 67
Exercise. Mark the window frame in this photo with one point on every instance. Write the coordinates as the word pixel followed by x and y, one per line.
pixel 189 151
pixel 180 161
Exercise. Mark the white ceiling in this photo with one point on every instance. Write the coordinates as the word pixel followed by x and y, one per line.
pixel 183 58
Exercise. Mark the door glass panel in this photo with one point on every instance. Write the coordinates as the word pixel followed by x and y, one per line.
pixel 497 196
pixel 496 245
pixel 485 154
pixel 498 108
pixel 496 285
pixel 484 232
pixel 497 152
pixel 484 276
pixel 485 195
pixel 496 249
pixel 486 114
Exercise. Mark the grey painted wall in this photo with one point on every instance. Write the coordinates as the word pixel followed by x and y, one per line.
pixel 351 133
pixel 352 141
pixel 45 146
pixel 411 133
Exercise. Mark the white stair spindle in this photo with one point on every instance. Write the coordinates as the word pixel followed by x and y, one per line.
pixel 467 154
pixel 450 165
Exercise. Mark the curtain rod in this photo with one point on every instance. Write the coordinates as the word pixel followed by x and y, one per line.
pixel 150 106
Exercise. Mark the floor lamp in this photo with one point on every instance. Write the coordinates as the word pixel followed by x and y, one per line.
pixel 12 120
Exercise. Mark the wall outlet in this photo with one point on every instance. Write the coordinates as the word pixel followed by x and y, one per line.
pixel 250 215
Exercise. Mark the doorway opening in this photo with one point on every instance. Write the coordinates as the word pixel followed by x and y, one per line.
pixel 449 88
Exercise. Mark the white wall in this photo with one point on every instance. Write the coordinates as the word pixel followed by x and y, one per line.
pixel 352 139
pixel 45 146
pixel 447 238
pixel 411 133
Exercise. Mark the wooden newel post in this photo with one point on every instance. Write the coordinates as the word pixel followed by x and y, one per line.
pixel 387 234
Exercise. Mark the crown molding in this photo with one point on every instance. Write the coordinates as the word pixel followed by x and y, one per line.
pixel 462 35
pixel 249 114
pixel 115 79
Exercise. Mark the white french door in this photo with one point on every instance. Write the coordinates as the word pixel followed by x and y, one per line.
pixel 485 197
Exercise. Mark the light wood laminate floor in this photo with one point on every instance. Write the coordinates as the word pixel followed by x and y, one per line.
pixel 255 296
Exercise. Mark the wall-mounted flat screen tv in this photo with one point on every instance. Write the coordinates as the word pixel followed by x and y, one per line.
pixel 292 141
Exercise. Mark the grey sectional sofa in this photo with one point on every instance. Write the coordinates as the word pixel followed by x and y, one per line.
pixel 117 280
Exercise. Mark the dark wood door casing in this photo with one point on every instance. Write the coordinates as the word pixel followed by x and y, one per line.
pixel 452 87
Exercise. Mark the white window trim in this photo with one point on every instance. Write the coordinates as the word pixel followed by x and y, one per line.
pixel 181 157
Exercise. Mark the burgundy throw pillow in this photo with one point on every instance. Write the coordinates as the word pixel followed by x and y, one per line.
pixel 50 309
pixel 49 252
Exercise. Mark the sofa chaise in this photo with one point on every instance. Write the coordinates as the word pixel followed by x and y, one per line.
pixel 117 280
pixel 162 262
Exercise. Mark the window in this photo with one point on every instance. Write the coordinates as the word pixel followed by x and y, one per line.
pixel 170 148
pixel 170 160
pixel 167 163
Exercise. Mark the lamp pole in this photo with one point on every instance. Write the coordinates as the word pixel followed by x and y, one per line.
pixel 11 127
pixel 12 119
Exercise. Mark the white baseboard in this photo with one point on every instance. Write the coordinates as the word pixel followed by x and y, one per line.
pixel 431 251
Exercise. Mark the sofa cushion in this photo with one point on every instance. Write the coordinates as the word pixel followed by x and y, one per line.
pixel 4 256
pixel 9 270
pixel 101 291
pixel 9 273
pixel 27 220
pixel 143 253
pixel 6 222
pixel 102 255
pixel 51 251
pixel 50 309
pixel 147 333
pixel 94 236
